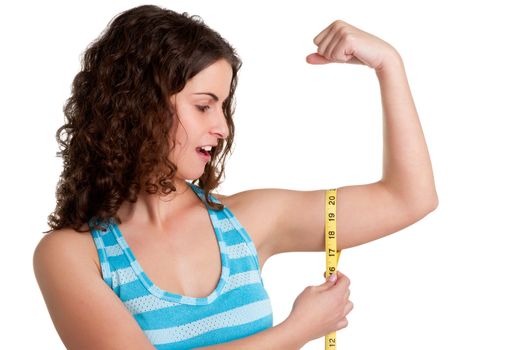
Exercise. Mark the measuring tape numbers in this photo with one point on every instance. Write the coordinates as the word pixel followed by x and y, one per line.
pixel 332 254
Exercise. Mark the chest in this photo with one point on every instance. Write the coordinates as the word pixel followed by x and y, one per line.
pixel 184 260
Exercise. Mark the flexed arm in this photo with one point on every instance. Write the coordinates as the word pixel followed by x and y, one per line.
pixel 405 193
pixel 407 169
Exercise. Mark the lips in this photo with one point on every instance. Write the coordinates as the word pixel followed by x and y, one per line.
pixel 205 152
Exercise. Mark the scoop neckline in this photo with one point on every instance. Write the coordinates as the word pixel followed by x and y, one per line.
pixel 170 296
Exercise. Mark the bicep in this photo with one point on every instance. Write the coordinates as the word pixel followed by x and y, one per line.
pixel 85 311
pixel 364 213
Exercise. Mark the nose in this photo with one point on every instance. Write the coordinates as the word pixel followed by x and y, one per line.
pixel 220 127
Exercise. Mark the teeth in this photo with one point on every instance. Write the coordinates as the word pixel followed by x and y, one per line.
pixel 206 148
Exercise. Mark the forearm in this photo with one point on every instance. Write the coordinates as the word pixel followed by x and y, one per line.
pixel 407 169
pixel 282 336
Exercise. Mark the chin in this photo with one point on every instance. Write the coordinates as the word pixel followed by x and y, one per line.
pixel 188 175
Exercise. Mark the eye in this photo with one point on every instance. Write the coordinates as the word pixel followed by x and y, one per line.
pixel 202 108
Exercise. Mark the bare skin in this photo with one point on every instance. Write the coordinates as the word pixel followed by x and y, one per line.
pixel 161 230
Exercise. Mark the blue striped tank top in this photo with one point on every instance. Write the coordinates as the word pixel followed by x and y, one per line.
pixel 237 308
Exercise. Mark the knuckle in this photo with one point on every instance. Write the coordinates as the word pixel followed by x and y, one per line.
pixel 343 313
pixel 349 308
pixel 343 30
pixel 343 323
pixel 348 39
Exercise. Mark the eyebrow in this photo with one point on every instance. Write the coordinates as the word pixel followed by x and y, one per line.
pixel 208 93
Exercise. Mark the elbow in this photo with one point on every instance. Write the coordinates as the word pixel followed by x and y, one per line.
pixel 430 201
pixel 433 201
pixel 417 202
pixel 425 205
pixel 420 199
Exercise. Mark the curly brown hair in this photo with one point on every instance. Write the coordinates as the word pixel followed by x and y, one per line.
pixel 115 139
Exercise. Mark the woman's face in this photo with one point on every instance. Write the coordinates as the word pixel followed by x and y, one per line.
pixel 201 119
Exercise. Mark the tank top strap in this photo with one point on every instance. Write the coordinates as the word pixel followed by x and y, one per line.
pixel 199 191
pixel 225 222
pixel 100 234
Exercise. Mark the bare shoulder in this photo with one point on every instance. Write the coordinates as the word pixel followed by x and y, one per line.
pixel 65 244
pixel 258 211
pixel 253 197
pixel 248 204
pixel 266 202
pixel 80 303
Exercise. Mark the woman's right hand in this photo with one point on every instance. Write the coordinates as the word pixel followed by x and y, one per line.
pixel 322 309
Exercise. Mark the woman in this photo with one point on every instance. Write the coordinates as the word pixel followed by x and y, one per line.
pixel 152 108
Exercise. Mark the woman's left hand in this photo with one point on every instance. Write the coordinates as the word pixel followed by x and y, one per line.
pixel 343 43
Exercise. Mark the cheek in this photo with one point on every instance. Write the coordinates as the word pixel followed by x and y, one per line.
pixel 184 125
pixel 180 136
pixel 178 142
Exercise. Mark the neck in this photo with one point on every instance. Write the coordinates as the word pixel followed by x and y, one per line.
pixel 156 209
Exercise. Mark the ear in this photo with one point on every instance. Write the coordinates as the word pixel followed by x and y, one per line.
pixel 172 103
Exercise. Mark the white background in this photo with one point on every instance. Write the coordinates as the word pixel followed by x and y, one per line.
pixel 454 280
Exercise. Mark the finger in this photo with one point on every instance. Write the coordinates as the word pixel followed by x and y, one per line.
pixel 322 34
pixel 342 324
pixel 348 307
pixel 326 42
pixel 338 272
pixel 323 273
pixel 334 48
pixel 347 295
pixel 341 284
pixel 341 52
pixel 342 280
pixel 328 284
pixel 315 58
pixel 330 48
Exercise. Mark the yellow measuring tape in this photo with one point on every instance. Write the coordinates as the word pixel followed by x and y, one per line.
pixel 332 254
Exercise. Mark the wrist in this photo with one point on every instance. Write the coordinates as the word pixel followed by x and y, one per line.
pixel 294 333
pixel 392 61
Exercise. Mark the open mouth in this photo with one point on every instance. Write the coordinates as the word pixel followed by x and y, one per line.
pixel 205 151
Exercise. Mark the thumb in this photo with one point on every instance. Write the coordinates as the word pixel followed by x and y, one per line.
pixel 315 58
pixel 332 279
